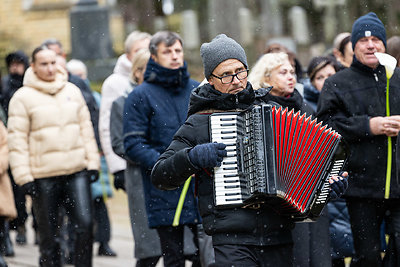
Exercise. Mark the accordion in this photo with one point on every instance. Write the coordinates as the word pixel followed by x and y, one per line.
pixel 277 157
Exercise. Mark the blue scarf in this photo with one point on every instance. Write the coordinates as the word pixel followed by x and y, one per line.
pixel 170 79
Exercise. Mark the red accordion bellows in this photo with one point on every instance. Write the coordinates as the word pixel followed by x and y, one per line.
pixel 275 157
pixel 302 148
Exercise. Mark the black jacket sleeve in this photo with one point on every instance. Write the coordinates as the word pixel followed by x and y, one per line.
pixel 174 166
pixel 334 109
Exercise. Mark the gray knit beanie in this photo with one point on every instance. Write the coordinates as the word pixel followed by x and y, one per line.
pixel 218 50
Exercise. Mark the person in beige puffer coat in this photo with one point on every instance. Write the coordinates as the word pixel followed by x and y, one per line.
pixel 53 154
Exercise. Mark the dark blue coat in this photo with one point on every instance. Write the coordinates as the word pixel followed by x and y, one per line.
pixel 340 231
pixel 153 112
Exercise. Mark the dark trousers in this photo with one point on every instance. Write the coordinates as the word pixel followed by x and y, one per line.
pixel 101 226
pixel 253 256
pixel 312 246
pixel 366 216
pixel 101 221
pixel 171 239
pixel 73 193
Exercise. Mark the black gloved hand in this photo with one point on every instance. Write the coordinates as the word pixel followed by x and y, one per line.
pixel 29 189
pixel 119 180
pixel 93 175
pixel 208 155
pixel 338 185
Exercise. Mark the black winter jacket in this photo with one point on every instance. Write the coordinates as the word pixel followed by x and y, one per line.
pixel 294 101
pixel 239 226
pixel 90 102
pixel 347 101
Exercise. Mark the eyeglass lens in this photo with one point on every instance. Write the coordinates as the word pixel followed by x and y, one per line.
pixel 229 78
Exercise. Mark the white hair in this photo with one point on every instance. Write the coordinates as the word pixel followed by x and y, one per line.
pixel 264 67
pixel 133 37
pixel 76 66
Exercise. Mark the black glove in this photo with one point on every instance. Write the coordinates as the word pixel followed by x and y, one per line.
pixel 338 187
pixel 29 189
pixel 119 180
pixel 208 155
pixel 93 175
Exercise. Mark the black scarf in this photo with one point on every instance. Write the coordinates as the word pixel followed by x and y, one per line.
pixel 206 97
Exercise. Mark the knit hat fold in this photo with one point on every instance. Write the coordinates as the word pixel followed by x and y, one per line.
pixel 368 25
pixel 218 50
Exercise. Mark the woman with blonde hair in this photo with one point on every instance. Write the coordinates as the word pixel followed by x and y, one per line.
pixel 139 63
pixel 275 73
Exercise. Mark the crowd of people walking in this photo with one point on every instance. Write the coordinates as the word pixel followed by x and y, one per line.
pixel 64 145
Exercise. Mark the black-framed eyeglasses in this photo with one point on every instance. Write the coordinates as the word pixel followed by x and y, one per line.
pixel 229 78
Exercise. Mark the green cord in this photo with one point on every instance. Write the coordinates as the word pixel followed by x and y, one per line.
pixel 389 158
pixel 178 210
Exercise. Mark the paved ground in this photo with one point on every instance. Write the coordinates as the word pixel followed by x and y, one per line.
pixel 121 242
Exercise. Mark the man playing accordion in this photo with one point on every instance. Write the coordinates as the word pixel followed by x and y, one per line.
pixel 254 236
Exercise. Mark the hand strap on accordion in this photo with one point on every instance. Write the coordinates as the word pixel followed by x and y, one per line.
pixel 207 172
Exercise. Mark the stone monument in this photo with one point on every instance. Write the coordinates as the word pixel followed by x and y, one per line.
pixel 90 38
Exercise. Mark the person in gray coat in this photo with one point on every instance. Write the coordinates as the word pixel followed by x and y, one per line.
pixel 147 242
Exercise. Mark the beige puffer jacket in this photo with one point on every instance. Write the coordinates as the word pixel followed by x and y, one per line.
pixel 50 132
pixel 7 204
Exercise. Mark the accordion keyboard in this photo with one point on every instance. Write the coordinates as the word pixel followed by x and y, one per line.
pixel 228 183
pixel 323 196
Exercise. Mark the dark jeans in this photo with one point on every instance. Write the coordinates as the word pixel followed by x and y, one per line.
pixel 171 239
pixel 253 256
pixel 73 193
pixel 366 216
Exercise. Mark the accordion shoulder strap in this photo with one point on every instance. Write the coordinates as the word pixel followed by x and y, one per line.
pixel 211 111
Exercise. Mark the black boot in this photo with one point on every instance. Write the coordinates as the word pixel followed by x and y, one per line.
pixel 105 250
pixel 147 262
pixel 6 247
pixel 36 238
pixel 3 263
pixel 20 239
pixel 9 248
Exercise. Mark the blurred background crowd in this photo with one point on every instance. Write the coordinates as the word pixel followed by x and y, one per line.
pixel 100 46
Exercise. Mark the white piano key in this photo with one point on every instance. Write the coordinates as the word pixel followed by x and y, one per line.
pixel 231 201
pixel 228 191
